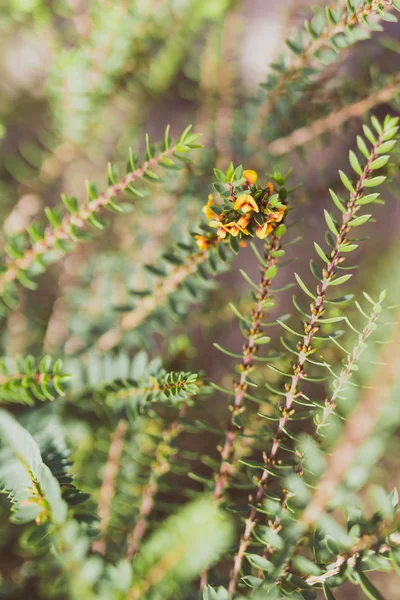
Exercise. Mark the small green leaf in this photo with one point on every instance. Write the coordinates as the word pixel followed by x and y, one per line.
pixel 321 253
pixel 348 247
pixel 368 588
pixel 340 280
pixel 280 230
pixel 253 582
pixel 367 199
pixel 375 181
pixel 369 135
pixel 329 595
pixel 271 272
pixel 337 201
pixel 359 221
pixel 346 182
pixel 259 562
pixel 304 287
pixel 355 163
pixel 263 340
pixel 379 162
pixel 362 146
pixel 330 223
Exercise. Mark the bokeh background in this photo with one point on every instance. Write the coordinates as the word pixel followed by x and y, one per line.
pixel 82 81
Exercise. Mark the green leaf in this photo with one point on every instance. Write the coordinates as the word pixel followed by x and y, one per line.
pixel 362 146
pixel 329 595
pixel 379 162
pixel 367 199
pixel 263 340
pixel 303 286
pixel 321 253
pixel 271 272
pixel 280 230
pixel 368 588
pixel 355 163
pixel 337 202
pixel 238 313
pixel 169 550
pixel 330 223
pixel 227 352
pixel 369 135
pixel 359 220
pixel 340 280
pixel 346 182
pixel 259 562
pixel 348 247
pixel 253 582
pixel 374 181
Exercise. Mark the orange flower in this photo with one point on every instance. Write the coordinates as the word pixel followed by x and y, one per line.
pixel 277 215
pixel 263 231
pixel 214 223
pixel 250 176
pixel 206 208
pixel 247 203
pixel 221 233
pixel 202 242
pixel 270 187
pixel 232 229
pixel 243 222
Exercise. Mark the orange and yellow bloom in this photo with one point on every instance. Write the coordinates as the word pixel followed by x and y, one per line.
pixel 250 176
pixel 247 203
pixel 207 210
pixel 202 242
pixel 264 230
pixel 277 215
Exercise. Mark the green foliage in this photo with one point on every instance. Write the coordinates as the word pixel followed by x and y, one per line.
pixel 26 380
pixel 136 462
pixel 34 491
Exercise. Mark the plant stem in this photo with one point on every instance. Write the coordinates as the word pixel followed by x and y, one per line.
pixel 310 328
pixel 52 235
pixel 107 490
pixel 159 468
pixel 305 60
pixel 245 367
pixel 332 122
pixel 147 305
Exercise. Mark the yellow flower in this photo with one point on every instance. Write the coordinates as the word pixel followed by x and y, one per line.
pixel 270 187
pixel 247 203
pixel 221 233
pixel 243 222
pixel 264 230
pixel 214 223
pixel 202 242
pixel 277 215
pixel 234 228
pixel 206 208
pixel 250 176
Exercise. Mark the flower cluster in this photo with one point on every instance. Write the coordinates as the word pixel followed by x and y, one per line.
pixel 249 209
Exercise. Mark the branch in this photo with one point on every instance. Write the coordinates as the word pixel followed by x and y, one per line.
pixel 146 306
pixel 107 490
pixel 365 544
pixel 357 430
pixel 333 121
pixel 351 360
pixel 311 327
pixel 160 467
pixel 247 364
pixel 20 262
pixel 304 57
